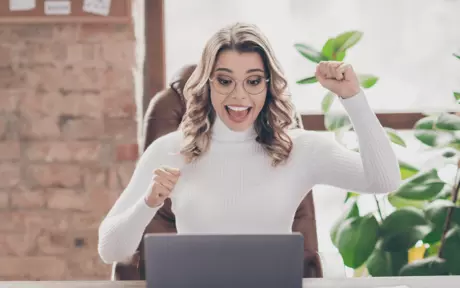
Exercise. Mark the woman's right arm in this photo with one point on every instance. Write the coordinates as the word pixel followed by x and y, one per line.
pixel 121 230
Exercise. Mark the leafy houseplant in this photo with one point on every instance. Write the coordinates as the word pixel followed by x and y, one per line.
pixel 421 236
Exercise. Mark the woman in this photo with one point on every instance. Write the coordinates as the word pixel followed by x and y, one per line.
pixel 235 165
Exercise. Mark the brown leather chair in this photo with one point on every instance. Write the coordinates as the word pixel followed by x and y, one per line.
pixel 163 115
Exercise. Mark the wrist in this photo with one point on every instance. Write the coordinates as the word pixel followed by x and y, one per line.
pixel 150 203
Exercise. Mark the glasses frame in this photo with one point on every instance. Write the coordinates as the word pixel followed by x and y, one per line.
pixel 237 82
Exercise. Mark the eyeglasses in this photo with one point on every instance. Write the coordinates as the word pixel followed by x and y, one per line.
pixel 253 84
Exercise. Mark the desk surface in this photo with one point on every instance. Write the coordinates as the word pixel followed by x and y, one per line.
pixel 381 282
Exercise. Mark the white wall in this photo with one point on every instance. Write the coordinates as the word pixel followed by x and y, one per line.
pixel 408 43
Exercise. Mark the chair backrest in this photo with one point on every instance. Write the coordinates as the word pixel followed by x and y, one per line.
pixel 164 115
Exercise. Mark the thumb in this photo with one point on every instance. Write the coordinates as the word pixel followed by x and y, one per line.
pixel 323 80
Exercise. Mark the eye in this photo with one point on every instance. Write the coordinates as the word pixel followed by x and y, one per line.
pixel 224 81
pixel 254 80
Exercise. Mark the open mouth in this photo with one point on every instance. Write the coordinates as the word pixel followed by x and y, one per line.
pixel 238 113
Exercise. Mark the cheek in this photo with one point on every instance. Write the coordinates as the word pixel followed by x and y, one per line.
pixel 259 101
pixel 216 101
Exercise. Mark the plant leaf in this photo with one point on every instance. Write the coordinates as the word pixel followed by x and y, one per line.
pixel 367 80
pixel 327 101
pixel 350 195
pixel 328 49
pixel 449 122
pixel 427 137
pixel 351 211
pixel 426 123
pixel 407 170
pixel 347 40
pixel 382 263
pixel 308 80
pixel 339 56
pixel 309 52
pixel 394 137
pixel 403 228
pixel 335 121
pixel 457 96
pixel 436 212
pixel 421 186
pixel 402 219
pixel 356 239
pixel 451 250
pixel 399 202
pixel 432 266
pixel 403 240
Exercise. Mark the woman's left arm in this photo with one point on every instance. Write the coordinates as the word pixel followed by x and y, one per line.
pixel 375 168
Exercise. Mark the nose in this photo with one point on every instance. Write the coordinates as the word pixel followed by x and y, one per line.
pixel 239 92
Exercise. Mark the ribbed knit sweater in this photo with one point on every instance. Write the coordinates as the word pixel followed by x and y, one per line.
pixel 233 188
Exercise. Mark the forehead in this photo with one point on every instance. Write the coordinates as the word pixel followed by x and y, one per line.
pixel 239 62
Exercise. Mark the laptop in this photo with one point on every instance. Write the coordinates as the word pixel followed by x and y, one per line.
pixel 224 261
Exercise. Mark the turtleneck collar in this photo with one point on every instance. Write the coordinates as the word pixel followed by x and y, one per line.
pixel 221 132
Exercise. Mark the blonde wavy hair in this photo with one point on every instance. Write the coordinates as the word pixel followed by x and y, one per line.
pixel 277 115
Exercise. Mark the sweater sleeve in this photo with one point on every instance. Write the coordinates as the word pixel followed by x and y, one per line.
pixel 122 229
pixel 374 169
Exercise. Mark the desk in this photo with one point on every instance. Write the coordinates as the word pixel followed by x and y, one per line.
pixel 411 282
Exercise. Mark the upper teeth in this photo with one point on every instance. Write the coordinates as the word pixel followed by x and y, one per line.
pixel 238 108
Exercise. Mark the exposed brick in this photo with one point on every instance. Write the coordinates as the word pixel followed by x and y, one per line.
pixel 120 129
pixel 66 199
pixel 53 175
pixel 11 78
pixel 83 105
pixel 55 151
pixel 87 265
pixel 119 104
pixel 9 100
pixel 40 52
pixel 28 198
pixel 3 127
pixel 125 172
pixel 81 128
pixel 41 77
pixel 127 152
pixel 53 242
pixel 65 32
pixel 103 33
pixel 88 220
pixel 10 174
pixel 43 219
pixel 27 33
pixel 117 78
pixel 4 199
pixel 39 104
pixel 18 243
pixel 11 221
pixel 94 177
pixel 66 107
pixel 6 55
pixel 120 55
pixel 102 199
pixel 33 268
pixel 36 126
pixel 9 150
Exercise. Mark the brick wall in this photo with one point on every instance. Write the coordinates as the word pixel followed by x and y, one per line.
pixel 67 144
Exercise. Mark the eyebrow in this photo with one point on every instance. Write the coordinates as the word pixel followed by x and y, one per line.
pixel 248 71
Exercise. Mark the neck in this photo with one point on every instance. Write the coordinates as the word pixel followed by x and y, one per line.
pixel 221 132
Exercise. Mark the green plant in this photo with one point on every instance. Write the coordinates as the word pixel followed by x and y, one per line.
pixel 421 235
pixel 335 49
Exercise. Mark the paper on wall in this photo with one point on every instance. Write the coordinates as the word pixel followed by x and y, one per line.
pixel 99 7
pixel 57 7
pixel 22 5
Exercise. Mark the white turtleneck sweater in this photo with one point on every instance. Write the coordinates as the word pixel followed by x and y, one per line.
pixel 233 188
